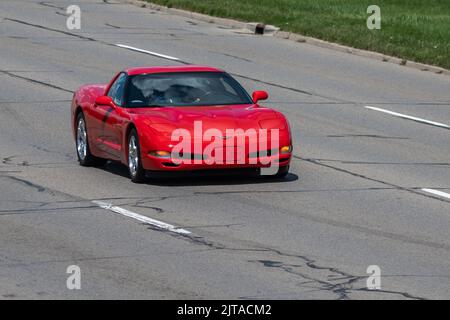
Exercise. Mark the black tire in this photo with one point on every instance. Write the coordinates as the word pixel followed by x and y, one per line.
pixel 85 157
pixel 282 172
pixel 135 169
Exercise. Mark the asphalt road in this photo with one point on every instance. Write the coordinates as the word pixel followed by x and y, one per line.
pixel 354 197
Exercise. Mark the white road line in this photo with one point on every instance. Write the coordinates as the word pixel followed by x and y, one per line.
pixel 396 114
pixel 437 192
pixel 146 51
pixel 141 218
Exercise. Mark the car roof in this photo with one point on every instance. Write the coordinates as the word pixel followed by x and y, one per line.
pixel 165 69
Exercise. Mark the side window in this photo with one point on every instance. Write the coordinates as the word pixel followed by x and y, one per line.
pixel 116 92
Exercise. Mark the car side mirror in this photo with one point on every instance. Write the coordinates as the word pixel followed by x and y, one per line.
pixel 104 101
pixel 259 95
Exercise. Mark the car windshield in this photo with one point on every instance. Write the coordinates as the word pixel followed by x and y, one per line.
pixel 183 89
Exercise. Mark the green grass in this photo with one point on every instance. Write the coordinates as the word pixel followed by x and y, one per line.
pixel 417 30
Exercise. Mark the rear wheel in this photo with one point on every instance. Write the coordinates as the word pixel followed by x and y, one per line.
pixel 85 157
pixel 137 172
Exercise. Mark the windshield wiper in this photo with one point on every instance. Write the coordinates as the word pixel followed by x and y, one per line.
pixel 154 106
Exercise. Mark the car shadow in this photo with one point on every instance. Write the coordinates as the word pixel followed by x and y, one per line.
pixel 202 178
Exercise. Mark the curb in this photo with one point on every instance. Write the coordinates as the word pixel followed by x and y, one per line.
pixel 268 30
pixel 361 53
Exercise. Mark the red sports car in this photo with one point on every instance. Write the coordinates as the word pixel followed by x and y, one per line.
pixel 181 118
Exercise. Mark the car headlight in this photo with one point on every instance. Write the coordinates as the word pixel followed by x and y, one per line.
pixel 160 154
pixel 286 149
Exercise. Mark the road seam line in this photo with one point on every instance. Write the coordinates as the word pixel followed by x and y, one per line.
pixel 147 52
pixel 437 192
pixel 153 222
pixel 401 115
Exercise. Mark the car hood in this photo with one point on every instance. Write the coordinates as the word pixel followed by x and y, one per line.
pixel 217 117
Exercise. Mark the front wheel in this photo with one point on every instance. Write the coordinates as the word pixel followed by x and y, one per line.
pixel 137 172
pixel 282 172
pixel 85 157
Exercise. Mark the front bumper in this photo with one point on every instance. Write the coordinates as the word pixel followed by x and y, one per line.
pixel 153 163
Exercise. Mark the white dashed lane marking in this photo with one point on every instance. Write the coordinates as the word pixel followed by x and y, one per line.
pixel 404 116
pixel 155 223
pixel 147 52
pixel 437 193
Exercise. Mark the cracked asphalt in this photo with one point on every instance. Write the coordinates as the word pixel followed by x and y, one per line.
pixel 353 199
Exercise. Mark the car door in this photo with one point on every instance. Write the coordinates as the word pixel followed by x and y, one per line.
pixel 110 118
